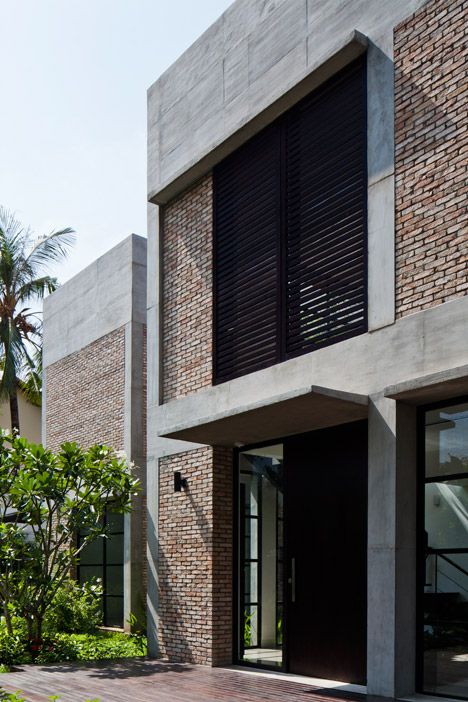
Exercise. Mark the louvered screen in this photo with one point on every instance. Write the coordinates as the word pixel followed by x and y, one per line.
pixel 247 206
pixel 326 229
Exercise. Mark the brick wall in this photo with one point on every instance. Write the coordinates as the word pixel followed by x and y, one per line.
pixel 431 156
pixel 187 291
pixel 195 557
pixel 85 395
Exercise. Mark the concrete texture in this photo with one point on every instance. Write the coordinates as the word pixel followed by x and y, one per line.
pixel 431 341
pixel 433 387
pixel 103 297
pixel 391 560
pixel 291 413
pixel 246 63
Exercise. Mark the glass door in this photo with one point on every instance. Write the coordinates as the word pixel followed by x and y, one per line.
pixel 445 635
pixel 260 585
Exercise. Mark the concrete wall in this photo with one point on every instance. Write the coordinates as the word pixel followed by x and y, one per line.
pixel 29 415
pixel 242 65
pixel 95 377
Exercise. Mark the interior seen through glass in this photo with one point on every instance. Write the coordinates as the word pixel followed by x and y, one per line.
pixel 446 554
pixel 261 556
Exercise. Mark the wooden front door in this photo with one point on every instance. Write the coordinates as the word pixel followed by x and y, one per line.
pixel 326 522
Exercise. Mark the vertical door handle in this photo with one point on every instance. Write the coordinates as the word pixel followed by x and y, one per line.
pixel 293 579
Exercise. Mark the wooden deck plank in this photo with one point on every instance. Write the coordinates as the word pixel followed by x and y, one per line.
pixel 157 681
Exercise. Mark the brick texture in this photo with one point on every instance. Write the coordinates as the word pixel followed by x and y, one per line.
pixel 431 156
pixel 187 291
pixel 85 395
pixel 195 557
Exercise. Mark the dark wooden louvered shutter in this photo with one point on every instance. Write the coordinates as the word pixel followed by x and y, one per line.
pixel 247 207
pixel 326 229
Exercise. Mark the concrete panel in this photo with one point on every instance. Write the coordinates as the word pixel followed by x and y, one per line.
pixel 381 253
pixel 100 299
pixel 277 35
pixel 365 365
pixel 270 31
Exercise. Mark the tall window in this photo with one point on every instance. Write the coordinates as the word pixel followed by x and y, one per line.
pixel 445 624
pixel 290 212
pixel 103 559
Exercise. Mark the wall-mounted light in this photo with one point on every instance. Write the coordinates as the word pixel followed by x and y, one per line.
pixel 179 482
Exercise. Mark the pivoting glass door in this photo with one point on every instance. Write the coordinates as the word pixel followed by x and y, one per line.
pixel 445 603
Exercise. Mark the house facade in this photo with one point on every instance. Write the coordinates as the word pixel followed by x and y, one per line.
pixel 94 391
pixel 308 345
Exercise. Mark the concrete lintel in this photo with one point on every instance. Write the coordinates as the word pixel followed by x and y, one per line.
pixel 336 57
pixel 300 410
pixel 432 387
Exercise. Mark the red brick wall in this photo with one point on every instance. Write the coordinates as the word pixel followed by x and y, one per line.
pixel 187 291
pixel 431 156
pixel 195 557
pixel 85 395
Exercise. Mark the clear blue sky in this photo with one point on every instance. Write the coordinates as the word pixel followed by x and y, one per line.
pixel 73 82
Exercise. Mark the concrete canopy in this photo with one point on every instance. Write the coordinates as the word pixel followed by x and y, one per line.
pixel 433 387
pixel 306 409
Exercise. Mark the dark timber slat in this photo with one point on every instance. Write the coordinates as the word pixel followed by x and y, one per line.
pixel 290 211
pixel 158 681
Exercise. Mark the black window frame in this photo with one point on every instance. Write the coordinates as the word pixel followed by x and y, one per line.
pixel 103 566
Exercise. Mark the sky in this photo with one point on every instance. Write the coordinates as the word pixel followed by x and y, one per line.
pixel 73 81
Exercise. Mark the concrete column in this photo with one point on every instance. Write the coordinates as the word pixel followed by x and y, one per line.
pixel 391 638
pixel 134 443
pixel 152 465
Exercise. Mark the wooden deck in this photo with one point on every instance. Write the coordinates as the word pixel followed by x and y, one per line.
pixel 156 681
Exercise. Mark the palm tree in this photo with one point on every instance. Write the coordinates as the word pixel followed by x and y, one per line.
pixel 23 280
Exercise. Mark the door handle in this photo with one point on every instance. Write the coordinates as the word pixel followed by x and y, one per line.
pixel 292 580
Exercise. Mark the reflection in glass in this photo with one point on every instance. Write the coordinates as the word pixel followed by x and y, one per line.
pixel 260 555
pixel 446 558
pixel 103 559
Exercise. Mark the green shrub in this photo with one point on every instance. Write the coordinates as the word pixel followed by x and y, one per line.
pixel 76 608
pixel 13 649
pixel 90 647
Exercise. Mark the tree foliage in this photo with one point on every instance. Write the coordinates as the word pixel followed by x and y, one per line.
pixel 45 500
pixel 24 262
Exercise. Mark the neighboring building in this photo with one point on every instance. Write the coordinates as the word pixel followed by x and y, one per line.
pixel 308 344
pixel 95 392
pixel 29 416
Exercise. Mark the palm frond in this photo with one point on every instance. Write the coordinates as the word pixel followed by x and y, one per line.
pixel 36 288
pixel 50 249
pixel 31 382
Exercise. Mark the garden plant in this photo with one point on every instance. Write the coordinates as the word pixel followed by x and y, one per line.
pixel 46 498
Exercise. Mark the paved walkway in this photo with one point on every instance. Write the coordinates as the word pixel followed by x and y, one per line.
pixel 156 681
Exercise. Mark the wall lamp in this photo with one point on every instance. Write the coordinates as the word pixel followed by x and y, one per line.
pixel 179 482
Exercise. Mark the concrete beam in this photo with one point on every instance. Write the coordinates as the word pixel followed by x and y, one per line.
pixel 431 341
pixel 295 412
pixel 433 387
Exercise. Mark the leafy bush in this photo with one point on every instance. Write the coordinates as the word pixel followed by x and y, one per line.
pixel 75 609
pixel 90 647
pixel 13 648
